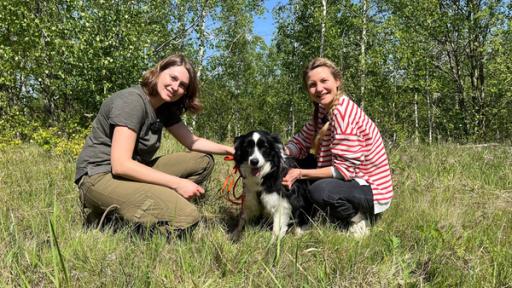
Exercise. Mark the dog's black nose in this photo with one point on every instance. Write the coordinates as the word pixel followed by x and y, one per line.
pixel 253 161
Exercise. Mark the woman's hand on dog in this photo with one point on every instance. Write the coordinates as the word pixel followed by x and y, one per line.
pixel 188 189
pixel 292 176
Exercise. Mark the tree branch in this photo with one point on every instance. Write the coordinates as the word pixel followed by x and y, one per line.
pixel 185 31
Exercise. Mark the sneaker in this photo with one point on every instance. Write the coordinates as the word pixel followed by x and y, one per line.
pixel 360 229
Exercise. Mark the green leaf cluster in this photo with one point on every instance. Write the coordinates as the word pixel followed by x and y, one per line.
pixel 424 70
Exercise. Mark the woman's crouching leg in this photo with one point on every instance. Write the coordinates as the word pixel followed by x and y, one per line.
pixel 194 166
pixel 345 202
pixel 142 203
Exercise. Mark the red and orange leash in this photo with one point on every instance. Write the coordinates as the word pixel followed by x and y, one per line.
pixel 230 184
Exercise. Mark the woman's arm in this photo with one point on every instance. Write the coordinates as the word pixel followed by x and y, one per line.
pixel 123 143
pixel 295 174
pixel 181 132
pixel 298 146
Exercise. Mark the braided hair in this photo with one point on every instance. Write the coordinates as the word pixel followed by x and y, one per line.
pixel 336 73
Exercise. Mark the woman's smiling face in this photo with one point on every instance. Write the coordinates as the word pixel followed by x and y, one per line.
pixel 172 83
pixel 322 86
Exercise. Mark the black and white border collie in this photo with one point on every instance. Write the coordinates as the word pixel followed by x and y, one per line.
pixel 260 157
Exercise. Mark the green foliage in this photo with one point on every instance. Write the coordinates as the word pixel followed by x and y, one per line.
pixel 14 128
pixel 60 60
pixel 434 71
pixel 445 49
pixel 235 98
pixel 54 141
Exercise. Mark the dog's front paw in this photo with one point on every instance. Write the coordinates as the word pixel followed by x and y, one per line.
pixel 277 237
pixel 235 237
pixel 298 231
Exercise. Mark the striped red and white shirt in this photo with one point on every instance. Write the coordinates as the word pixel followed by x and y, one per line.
pixel 353 146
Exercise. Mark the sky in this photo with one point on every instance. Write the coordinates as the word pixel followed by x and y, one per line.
pixel 264 25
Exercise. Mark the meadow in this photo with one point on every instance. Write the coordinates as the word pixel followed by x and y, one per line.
pixel 449 226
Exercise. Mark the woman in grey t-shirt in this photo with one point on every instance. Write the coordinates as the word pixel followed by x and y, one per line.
pixel 116 168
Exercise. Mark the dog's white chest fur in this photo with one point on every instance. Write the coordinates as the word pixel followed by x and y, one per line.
pixel 280 210
pixel 274 203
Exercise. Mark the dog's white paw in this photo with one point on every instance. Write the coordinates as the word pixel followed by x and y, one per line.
pixel 300 230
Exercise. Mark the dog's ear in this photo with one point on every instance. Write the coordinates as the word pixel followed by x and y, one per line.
pixel 237 142
pixel 276 138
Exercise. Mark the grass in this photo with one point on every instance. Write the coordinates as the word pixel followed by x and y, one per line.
pixel 449 225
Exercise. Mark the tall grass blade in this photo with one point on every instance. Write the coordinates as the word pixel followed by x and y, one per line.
pixel 275 261
pixel 271 275
pixel 56 248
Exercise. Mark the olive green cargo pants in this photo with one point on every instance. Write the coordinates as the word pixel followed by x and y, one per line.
pixel 148 203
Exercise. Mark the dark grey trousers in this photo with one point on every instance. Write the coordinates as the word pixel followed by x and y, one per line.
pixel 340 200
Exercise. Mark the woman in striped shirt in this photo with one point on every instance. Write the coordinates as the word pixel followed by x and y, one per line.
pixel 348 164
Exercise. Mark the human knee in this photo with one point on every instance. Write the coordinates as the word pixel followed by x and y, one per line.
pixel 331 200
pixel 151 211
pixel 186 221
pixel 319 193
pixel 204 167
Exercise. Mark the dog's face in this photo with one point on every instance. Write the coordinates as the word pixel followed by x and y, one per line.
pixel 257 153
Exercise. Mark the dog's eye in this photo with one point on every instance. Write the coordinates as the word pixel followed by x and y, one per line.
pixel 262 145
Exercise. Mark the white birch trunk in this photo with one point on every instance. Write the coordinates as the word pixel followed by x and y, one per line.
pixel 324 19
pixel 363 52
pixel 202 40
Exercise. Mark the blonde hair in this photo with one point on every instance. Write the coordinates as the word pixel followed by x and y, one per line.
pixel 189 101
pixel 336 73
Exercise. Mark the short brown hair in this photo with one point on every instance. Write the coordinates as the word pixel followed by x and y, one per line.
pixel 189 102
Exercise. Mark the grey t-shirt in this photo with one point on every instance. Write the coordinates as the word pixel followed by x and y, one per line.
pixel 130 108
